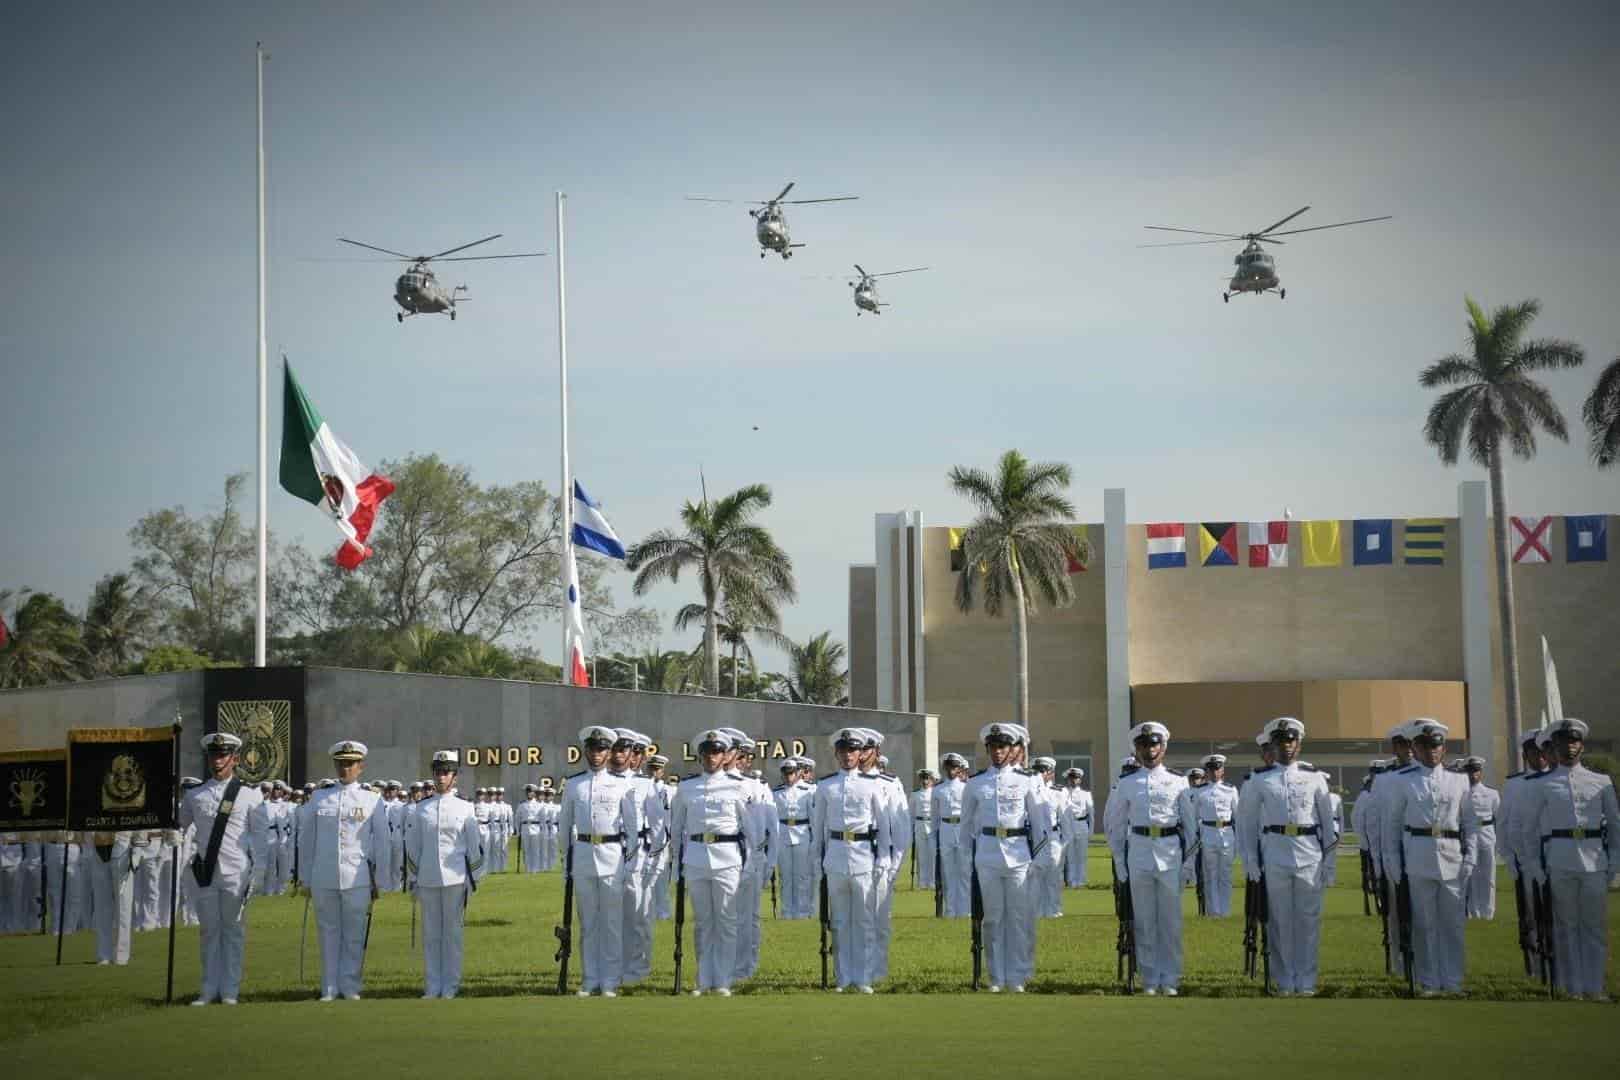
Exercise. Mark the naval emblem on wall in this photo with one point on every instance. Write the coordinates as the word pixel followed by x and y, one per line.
pixel 265 728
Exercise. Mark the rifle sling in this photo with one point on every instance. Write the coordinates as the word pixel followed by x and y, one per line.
pixel 203 870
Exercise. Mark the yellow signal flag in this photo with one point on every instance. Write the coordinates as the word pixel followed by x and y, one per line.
pixel 1322 543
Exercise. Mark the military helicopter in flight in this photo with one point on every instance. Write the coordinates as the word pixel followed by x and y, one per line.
pixel 418 292
pixel 866 293
pixel 770 223
pixel 1256 269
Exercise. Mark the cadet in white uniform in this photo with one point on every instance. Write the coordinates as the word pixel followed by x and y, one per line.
pixel 795 852
pixel 893 792
pixel 663 857
pixel 1480 889
pixel 1046 874
pixel 1401 744
pixel 224 876
pixel 955 853
pixel 761 857
pixel 527 818
pixel 341 833
pixel 1004 816
pixel 712 823
pixel 1428 832
pixel 599 816
pixel 1576 818
pixel 629 754
pixel 1148 823
pixel 850 828
pixel 1079 814
pixel 112 883
pixel 922 827
pixel 1215 807
pixel 444 858
pixel 1289 829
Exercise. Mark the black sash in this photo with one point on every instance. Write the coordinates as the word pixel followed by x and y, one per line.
pixel 203 869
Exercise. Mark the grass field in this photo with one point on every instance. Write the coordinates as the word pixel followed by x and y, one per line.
pixel 84 1020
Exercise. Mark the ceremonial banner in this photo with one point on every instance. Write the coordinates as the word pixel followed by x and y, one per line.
pixel 1320 543
pixel 1081 533
pixel 1586 538
pixel 33 790
pixel 1529 538
pixel 956 550
pixel 1166 545
pixel 1425 542
pixel 121 778
pixel 1374 540
pixel 1217 543
pixel 1268 543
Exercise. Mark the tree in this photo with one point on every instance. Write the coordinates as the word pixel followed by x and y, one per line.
pixel 727 551
pixel 743 613
pixel 43 646
pixel 1494 401
pixel 1602 415
pixel 1017 548
pixel 166 658
pixel 199 572
pixel 816 678
pixel 117 622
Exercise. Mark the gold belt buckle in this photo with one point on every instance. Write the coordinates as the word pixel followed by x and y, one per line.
pixel 1290 829
pixel 1436 831
pixel 708 837
pixel 1155 831
pixel 1577 833
pixel 1001 833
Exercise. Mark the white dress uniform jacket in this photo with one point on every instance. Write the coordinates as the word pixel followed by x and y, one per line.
pixel 1005 816
pixel 599 818
pixel 1079 819
pixel 1290 832
pixel 713 824
pixel 850 827
pixel 1428 833
pixel 445 857
pixel 794 850
pixel 1481 885
pixel 955 853
pixel 1573 815
pixel 219 904
pixel 1147 821
pixel 340 836
pixel 1215 805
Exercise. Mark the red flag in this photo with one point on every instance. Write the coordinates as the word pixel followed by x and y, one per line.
pixel 5 634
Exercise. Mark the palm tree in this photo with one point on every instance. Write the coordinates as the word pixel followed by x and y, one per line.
pixel 743 613
pixel 1602 415
pixel 1495 400
pixel 1019 546
pixel 816 677
pixel 419 648
pixel 115 624
pixel 729 553
pixel 43 645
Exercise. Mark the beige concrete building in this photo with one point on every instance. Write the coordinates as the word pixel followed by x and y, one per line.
pixel 1213 651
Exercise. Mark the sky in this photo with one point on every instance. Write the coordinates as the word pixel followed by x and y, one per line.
pixel 1016 150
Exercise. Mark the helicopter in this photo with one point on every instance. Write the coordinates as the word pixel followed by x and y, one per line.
pixel 418 292
pixel 1256 269
pixel 866 293
pixel 770 223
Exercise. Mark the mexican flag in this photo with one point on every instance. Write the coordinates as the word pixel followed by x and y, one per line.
pixel 317 467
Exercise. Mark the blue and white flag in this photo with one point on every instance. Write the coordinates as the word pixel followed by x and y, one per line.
pixel 591 529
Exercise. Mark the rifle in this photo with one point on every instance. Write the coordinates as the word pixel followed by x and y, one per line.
pixel 1368 881
pixel 1251 905
pixel 939 879
pixel 1263 917
pixel 1198 878
pixel 1381 906
pixel 680 916
pixel 913 857
pixel 1544 934
pixel 365 940
pixel 1521 912
pixel 773 892
pixel 976 942
pixel 565 932
pixel 1403 911
pixel 826 925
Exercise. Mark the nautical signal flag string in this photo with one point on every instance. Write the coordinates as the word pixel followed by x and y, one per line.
pixel 319 468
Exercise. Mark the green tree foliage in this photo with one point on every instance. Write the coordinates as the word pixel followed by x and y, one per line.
pixel 44 644
pixel 166 658
pixel 1601 412
pixel 118 621
pixel 818 676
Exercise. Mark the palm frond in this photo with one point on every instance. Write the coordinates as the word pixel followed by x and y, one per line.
pixel 1548 354
pixel 1601 412
pixel 1449 370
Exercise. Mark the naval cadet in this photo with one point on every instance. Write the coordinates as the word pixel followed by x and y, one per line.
pixel 600 815
pixel 954 855
pixel 663 857
pixel 1215 808
pixel 712 824
pixel 893 792
pixel 922 827
pixel 1401 746
pixel 1481 886
pixel 445 859
pixel 795 851
pixel 761 856
pixel 230 830
pixel 527 820
pixel 850 829
pixel 1078 814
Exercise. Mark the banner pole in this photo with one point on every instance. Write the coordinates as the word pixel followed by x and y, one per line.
pixel 174 878
pixel 44 892
pixel 61 913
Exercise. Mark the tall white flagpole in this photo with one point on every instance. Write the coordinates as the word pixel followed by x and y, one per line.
pixel 567 488
pixel 263 526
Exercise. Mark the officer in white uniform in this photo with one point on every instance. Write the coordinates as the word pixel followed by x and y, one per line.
pixel 1079 815
pixel 224 881
pixel 761 857
pixel 1004 816
pixel 1428 833
pixel 1400 743
pixel 922 827
pixel 1215 807
pixel 527 818
pixel 341 834
pixel 1480 890
pixel 112 884
pixel 955 853
pixel 445 859
pixel 1289 828
pixel 1573 812
pixel 600 815
pixel 286 815
pixel 56 847
pixel 629 754
pixel 850 829
pixel 663 857
pixel 893 792
pixel 712 826
pixel 1047 872
pixel 794 849
pixel 1148 826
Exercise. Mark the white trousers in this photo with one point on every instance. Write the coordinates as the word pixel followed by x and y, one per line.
pixel 638 922
pixel 148 890
pixel 851 910
pixel 662 900
pixel 1050 884
pixel 1294 899
pixel 923 848
pixel 281 869
pixel 795 879
pixel 1156 897
pixel 883 883
pixel 750 886
pixel 223 935
pixel 444 914
pixel 1217 880
pixel 958 864
pixel 1397 964
pixel 1437 933
pixel 113 889
pixel 1580 923
pixel 340 918
pixel 600 902
pixel 532 852
pixel 714 926
pixel 1009 924
pixel 1482 882
pixel 1074 861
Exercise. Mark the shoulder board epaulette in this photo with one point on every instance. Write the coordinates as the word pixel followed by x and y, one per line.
pixel 1514 775
pixel 1403 772
pixel 579 774
pixel 1175 772
pixel 981 772
pixel 1307 766
pixel 1021 771
pixel 1540 775
pixel 888 776
pixel 779 787
pixel 1262 770
pixel 732 775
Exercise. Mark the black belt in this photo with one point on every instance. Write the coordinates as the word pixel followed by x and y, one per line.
pixel 925 819
pixel 852 837
pixel 1435 832
pixel 957 820
pixel 1599 833
pixel 1083 817
pixel 716 837
pixel 643 834
pixel 1156 831
pixel 1001 834
pixel 794 820
pixel 1487 821
pixel 1292 830
pixel 599 838
pixel 1218 824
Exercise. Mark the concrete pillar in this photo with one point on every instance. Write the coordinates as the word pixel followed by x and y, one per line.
pixel 883 550
pixel 1117 609
pixel 1474 557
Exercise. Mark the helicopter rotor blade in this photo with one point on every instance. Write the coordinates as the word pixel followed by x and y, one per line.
pixel 1197 232
pixel 891 273
pixel 783 194
pixel 1336 225
pixel 1283 222
pixel 704 198
pixel 835 198
pixel 463 247
pixel 482 258
pixel 374 247
pixel 859 271
pixel 1190 243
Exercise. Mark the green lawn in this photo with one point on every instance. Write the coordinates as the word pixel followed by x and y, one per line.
pixel 84 1020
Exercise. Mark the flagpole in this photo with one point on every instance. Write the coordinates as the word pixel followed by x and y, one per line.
pixel 263 523
pixel 566 491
